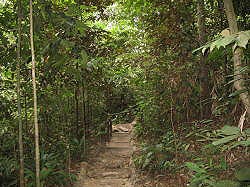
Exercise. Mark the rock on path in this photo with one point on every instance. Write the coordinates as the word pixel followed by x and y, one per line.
pixel 111 168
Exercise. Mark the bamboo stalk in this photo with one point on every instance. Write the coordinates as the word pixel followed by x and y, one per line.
pixel 37 152
pixel 20 125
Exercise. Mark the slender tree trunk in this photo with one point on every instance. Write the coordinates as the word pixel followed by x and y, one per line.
pixel 37 157
pixel 77 110
pixel 26 113
pixel 204 84
pixel 237 56
pixel 20 125
pixel 84 109
pixel 88 109
pixel 84 126
pixel 67 131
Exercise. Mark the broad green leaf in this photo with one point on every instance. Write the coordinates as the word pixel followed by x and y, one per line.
pixel 240 39
pixel 222 42
pixel 240 143
pixel 229 130
pixel 214 44
pixel 243 174
pixel 84 57
pixel 227 183
pixel 225 140
pixel 227 40
pixel 195 167
pixel 245 143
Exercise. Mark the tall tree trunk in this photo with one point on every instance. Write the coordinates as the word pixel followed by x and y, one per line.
pixel 37 157
pixel 237 56
pixel 84 117
pixel 204 84
pixel 77 111
pixel 20 125
pixel 26 112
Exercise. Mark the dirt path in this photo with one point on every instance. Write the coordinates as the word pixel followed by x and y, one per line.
pixel 111 167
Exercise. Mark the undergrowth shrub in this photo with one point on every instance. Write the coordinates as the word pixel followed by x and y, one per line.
pixel 53 172
pixel 155 158
pixel 8 169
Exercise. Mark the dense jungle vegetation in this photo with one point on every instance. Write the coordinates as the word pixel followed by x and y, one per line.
pixel 180 67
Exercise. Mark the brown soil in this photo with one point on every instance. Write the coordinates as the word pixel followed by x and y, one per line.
pixel 111 167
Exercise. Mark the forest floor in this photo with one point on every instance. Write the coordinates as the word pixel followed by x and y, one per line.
pixel 111 166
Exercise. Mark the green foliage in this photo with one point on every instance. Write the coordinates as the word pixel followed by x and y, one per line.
pixel 8 167
pixel 243 174
pixel 51 173
pixel 201 176
pixel 97 59
pixel 194 167
pixel 226 138
pixel 155 158
pixel 239 40
pixel 77 147
pixel 205 172
pixel 229 130
pixel 227 183
pixel 73 80
pixel 232 137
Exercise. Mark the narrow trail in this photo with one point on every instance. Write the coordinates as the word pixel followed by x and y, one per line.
pixel 111 168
